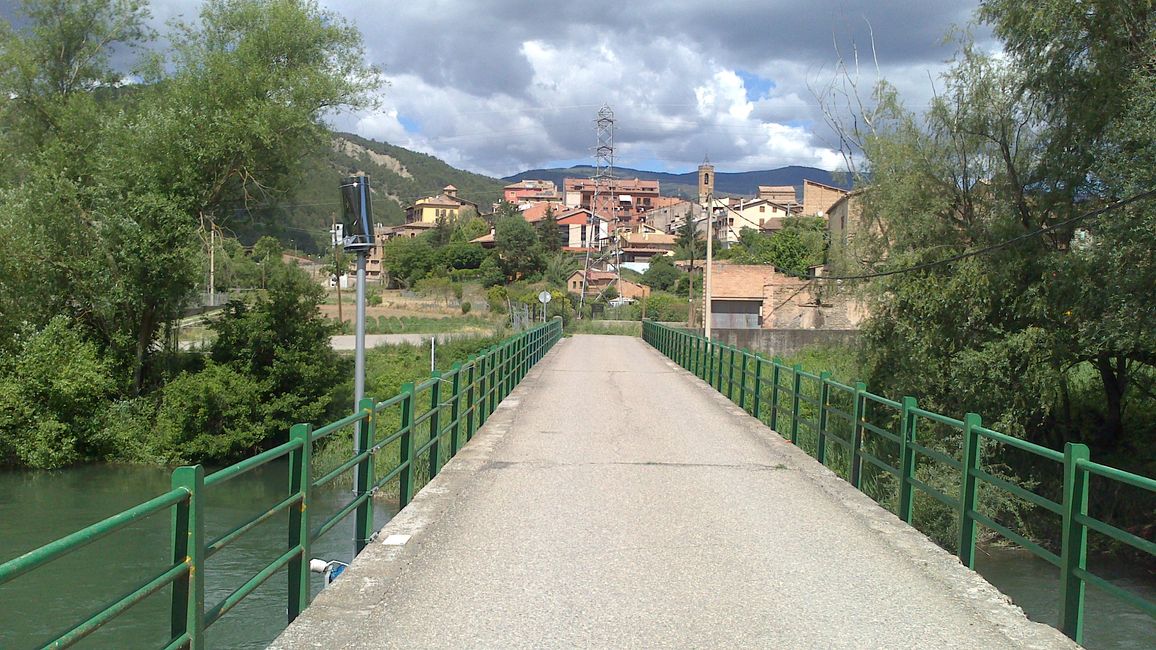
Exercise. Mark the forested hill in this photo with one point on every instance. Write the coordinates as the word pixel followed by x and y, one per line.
pixel 398 178
pixel 686 185
pixel 401 176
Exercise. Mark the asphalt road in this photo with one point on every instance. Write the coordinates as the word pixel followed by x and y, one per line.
pixel 614 501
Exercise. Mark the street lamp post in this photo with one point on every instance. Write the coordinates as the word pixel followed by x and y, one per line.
pixel 357 215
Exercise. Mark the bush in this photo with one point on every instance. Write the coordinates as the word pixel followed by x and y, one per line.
pixel 466 306
pixel 496 298
pixel 53 392
pixel 212 414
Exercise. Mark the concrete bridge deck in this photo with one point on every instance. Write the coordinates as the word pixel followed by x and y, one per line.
pixel 616 501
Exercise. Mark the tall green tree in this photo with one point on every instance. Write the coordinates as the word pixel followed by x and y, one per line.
pixel 548 233
pixel 104 216
pixel 1010 147
pixel 518 248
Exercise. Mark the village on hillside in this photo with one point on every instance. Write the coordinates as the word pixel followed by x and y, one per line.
pixel 626 223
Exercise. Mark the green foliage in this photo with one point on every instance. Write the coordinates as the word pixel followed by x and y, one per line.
pixel 661 275
pixel 496 298
pixel 280 344
pixel 408 259
pixel 437 288
pixel 466 307
pixel 53 391
pixel 491 272
pixel 516 243
pixel 689 244
pixel 666 307
pixel 549 234
pixel 800 245
pixel 213 414
pixel 559 267
pixel 116 187
pixel 470 229
pixel 460 255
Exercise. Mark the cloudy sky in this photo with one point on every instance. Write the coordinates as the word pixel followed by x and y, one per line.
pixel 500 86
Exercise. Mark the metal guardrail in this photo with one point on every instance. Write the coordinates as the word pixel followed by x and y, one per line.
pixel 467 394
pixel 857 421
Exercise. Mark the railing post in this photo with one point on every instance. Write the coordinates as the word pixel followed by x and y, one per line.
pixel 187 614
pixel 731 374
pixel 456 409
pixel 435 420
pixel 300 482
pixel 504 373
pixel 824 396
pixel 405 453
pixel 858 417
pixel 366 432
pixel 720 351
pixel 471 405
pixel 757 406
pixel 776 377
pixel 743 381
pixel 968 489
pixel 906 460
pixel 1074 552
pixel 492 381
pixel 487 385
pixel 796 391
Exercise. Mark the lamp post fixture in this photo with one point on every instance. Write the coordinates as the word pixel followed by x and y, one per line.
pixel 357 217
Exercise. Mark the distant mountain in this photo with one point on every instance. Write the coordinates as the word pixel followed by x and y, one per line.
pixel 686 185
pixel 398 177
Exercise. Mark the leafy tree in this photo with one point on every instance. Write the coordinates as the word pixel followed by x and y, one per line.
pixel 442 232
pixel 689 241
pixel 1010 147
pixel 119 183
pixel 661 275
pixel 517 246
pixel 408 259
pixel 281 342
pixel 470 229
pixel 53 390
pixel 460 255
pixel 548 232
pixel 491 272
pixel 559 267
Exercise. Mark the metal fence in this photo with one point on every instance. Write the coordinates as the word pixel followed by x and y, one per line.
pixel 435 418
pixel 849 429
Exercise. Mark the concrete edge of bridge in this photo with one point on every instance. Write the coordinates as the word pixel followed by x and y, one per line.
pixel 332 618
pixel 965 585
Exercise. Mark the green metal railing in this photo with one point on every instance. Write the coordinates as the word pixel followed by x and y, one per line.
pixel 861 426
pixel 452 405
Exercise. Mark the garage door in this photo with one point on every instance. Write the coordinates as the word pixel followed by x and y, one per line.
pixel 735 314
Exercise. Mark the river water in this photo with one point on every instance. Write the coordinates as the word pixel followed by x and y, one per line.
pixel 38 507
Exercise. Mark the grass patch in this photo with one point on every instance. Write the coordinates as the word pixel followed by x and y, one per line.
pixel 615 328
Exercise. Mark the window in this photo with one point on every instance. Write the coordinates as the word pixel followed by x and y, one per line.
pixel 762 208
pixel 706 178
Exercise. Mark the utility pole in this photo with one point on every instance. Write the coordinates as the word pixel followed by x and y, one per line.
pixel 706 311
pixel 603 175
pixel 337 269
pixel 212 266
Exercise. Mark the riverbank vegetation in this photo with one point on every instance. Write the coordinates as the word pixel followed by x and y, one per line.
pixel 1008 232
pixel 110 186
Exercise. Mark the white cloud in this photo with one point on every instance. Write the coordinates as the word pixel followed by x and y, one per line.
pixel 506 85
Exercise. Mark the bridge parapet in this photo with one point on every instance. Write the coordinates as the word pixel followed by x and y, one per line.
pixel 431 419
pixel 855 433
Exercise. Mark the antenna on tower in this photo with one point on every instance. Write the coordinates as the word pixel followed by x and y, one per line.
pixel 603 179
